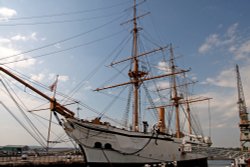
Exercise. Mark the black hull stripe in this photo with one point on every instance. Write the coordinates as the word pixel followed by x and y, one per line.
pixel 187 163
pixel 122 134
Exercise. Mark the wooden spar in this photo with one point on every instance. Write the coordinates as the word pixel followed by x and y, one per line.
pixel 142 54
pixel 181 102
pixel 137 17
pixel 55 106
pixel 193 82
pixel 141 80
pixel 49 108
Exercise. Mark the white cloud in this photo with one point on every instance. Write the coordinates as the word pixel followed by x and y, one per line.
pixel 243 51
pixel 231 31
pixel 38 77
pixel 7 57
pixel 220 26
pixel 223 107
pixel 6 51
pixel 10 55
pixel 211 41
pixel 63 78
pixel 52 76
pixel 43 39
pixel 19 37
pixel 33 36
pixel 162 65
pixel 87 85
pixel 163 85
pixel 49 78
pixel 225 78
pixel 6 13
pixel 232 49
pixel 24 61
pixel 58 45
pixel 216 40
pixel 4 41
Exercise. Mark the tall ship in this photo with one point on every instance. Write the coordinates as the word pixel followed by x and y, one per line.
pixel 139 142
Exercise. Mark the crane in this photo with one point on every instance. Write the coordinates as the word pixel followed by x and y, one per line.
pixel 244 121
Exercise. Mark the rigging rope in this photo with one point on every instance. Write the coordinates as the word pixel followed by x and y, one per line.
pixel 92 73
pixel 112 102
pixel 33 127
pixel 64 40
pixel 57 22
pixel 196 125
pixel 126 113
pixel 22 124
pixel 122 44
pixel 36 134
pixel 63 50
pixel 170 117
pixel 9 111
pixel 113 77
pixel 67 13
pixel 150 100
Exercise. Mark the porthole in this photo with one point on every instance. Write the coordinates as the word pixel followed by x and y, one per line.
pixel 108 146
pixel 98 145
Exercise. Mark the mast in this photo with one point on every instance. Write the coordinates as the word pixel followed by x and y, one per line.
pixel 174 94
pixel 53 88
pixel 137 76
pixel 177 99
pixel 134 74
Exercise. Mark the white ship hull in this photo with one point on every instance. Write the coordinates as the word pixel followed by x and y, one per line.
pixel 105 145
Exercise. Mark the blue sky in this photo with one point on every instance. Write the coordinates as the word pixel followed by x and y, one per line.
pixel 208 36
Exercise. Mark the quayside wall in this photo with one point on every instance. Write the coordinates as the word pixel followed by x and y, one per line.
pixel 42 161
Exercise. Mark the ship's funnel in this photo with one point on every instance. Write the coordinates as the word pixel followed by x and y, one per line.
pixel 161 121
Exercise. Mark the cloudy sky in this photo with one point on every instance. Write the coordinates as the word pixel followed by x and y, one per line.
pixel 40 39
